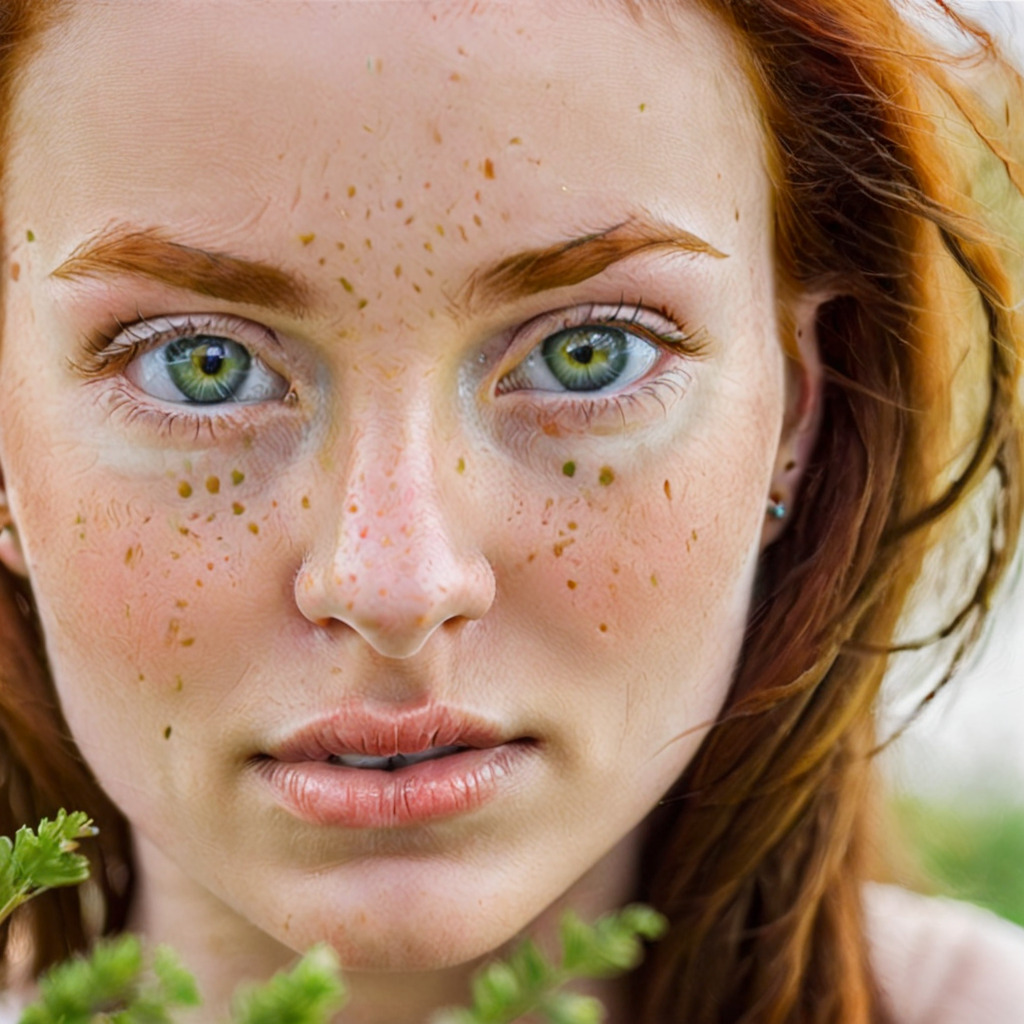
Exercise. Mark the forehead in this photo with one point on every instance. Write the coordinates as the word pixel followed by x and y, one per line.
pixel 202 111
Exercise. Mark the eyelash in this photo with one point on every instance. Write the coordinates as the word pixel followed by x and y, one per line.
pixel 107 354
pixel 103 354
pixel 581 408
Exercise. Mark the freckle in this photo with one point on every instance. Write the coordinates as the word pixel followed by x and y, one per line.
pixel 353 509
pixel 791 465
pixel 305 501
pixel 439 228
pixel 184 531
pixel 142 677
pixel 416 288
pixel 368 243
pixel 363 303
pixel 383 592
pixel 399 203
pixel 654 580
pixel 668 490
pixel 238 508
pixel 237 476
pixel 408 220
pixel 188 641
pixel 213 484
pixel 571 584
pixel 737 215
pixel 477 221
pixel 209 566
pixel 515 141
pixel 606 476
pixel 569 468
pixel 460 466
pixel 693 534
pixel 531 556
pixel 179 684
pixel 398 270
pixel 603 627
pixel 15 271
pixel 322 261
pixel 346 284
pixel 428 247
pixel 572 526
pixel 351 191
pixel 128 556
pixel 489 168
pixel 643 107
pixel 438 138
pixel 455 77
pixel 181 604
pixel 307 239
pixel 167 733
pixel 253 528
pixel 30 235
pixel 185 489
pixel 340 245
pixel 199 583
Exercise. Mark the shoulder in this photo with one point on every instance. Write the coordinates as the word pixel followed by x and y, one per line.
pixel 943 962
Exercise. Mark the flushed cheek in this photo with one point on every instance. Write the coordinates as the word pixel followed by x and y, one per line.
pixel 175 586
pixel 620 559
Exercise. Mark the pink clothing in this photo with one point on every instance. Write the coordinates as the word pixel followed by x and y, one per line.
pixel 944 962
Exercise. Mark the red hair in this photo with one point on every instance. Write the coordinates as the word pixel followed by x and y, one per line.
pixel 758 853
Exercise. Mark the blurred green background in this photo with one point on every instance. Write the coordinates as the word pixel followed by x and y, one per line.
pixel 972 852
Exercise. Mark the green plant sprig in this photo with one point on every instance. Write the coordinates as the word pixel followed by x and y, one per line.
pixel 115 984
pixel 42 859
pixel 527 982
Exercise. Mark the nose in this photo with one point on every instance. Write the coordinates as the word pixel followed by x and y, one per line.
pixel 392 561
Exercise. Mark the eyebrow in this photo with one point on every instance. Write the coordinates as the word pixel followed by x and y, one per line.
pixel 571 262
pixel 219 275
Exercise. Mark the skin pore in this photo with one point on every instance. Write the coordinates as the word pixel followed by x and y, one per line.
pixel 398 513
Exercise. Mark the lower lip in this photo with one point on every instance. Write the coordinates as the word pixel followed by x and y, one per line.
pixel 327 794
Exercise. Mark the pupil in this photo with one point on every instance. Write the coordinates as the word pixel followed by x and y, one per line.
pixel 211 360
pixel 582 353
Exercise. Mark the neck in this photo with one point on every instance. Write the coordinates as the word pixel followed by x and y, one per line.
pixel 223 949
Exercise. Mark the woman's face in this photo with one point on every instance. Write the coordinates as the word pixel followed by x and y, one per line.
pixel 389 379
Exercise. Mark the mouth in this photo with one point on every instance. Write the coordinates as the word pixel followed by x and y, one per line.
pixel 393 762
pixel 360 768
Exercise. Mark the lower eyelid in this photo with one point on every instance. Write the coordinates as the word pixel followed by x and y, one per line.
pixel 533 421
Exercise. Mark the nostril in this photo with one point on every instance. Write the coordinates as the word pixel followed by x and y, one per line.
pixel 396 603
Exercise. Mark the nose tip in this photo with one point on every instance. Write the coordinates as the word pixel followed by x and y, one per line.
pixel 396 596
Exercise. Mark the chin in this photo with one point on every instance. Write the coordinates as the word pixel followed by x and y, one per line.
pixel 409 926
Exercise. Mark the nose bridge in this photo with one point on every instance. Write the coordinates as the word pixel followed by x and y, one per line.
pixel 392 561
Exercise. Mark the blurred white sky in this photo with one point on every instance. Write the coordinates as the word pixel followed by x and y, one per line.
pixel 969 744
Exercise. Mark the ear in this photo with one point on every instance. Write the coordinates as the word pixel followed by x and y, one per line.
pixel 12 557
pixel 803 412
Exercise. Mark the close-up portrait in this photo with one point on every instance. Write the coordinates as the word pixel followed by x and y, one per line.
pixel 486 489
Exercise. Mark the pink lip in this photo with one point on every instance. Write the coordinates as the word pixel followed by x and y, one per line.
pixel 302 779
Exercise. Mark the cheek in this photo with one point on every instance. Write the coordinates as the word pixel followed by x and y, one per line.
pixel 648 572
pixel 149 589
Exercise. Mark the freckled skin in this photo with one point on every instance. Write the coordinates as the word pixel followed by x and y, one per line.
pixel 395 530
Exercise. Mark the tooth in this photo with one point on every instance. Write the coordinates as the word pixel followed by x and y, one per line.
pixel 360 761
pixel 401 760
pixel 367 761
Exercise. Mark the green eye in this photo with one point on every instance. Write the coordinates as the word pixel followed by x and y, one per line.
pixel 206 369
pixel 587 358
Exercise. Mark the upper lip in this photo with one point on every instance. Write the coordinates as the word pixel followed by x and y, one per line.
pixel 357 729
